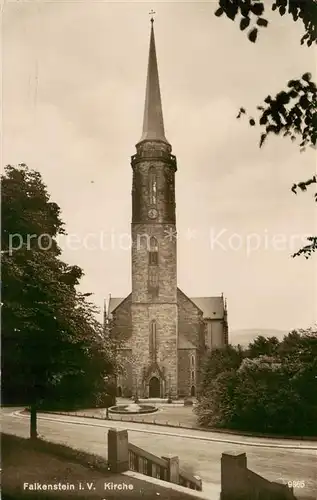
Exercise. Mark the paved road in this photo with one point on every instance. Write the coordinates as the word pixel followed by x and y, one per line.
pixel 199 451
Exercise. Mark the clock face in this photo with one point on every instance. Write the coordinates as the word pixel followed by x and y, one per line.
pixel 152 213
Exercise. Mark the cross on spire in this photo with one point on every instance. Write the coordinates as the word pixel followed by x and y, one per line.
pixel 152 14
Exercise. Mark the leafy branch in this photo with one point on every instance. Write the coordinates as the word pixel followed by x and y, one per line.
pixel 291 113
pixel 251 14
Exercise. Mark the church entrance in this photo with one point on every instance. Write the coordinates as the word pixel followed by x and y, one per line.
pixel 154 388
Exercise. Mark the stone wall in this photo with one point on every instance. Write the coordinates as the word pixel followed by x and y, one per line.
pixel 215 333
pixel 167 283
pixel 218 333
pixel 190 328
pixel 122 324
pixel 189 319
pixel 238 482
pixel 165 203
pixel 125 378
pixel 165 316
pixel 184 356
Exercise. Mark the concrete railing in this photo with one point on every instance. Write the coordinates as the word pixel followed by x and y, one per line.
pixel 240 483
pixel 123 456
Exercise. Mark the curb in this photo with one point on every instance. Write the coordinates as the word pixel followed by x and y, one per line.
pixel 190 428
pixel 197 438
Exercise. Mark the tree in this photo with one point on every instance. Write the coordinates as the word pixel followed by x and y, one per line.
pixel 263 346
pixel 265 400
pixel 50 336
pixel 269 387
pixel 214 407
pixel 220 360
pixel 293 111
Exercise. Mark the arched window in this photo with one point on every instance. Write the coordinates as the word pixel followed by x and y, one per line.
pixel 153 252
pixel 193 376
pixel 153 340
pixel 209 334
pixel 153 281
pixel 171 193
pixel 169 179
pixel 193 361
pixel 152 186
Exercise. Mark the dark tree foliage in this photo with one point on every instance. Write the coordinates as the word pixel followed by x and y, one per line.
pixel 54 352
pixel 251 14
pixel 263 346
pixel 293 111
pixel 219 360
pixel 269 387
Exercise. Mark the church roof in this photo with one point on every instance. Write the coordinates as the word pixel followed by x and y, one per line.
pixel 114 302
pixel 212 307
pixel 153 124
pixel 184 343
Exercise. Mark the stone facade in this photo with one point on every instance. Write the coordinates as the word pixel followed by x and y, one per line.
pixel 180 350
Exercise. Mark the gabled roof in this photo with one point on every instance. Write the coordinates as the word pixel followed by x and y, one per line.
pixel 190 300
pixel 212 307
pixel 184 343
pixel 114 302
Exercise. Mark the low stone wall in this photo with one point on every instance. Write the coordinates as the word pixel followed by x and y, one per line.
pixel 124 456
pixel 240 483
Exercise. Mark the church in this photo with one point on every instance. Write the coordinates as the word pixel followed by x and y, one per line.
pixel 163 335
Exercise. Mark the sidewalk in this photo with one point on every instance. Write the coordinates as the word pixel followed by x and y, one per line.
pixel 29 473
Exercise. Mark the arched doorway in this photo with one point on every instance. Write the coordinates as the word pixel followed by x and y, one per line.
pixel 193 391
pixel 119 392
pixel 154 388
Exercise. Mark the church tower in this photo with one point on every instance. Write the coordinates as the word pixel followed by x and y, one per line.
pixel 154 310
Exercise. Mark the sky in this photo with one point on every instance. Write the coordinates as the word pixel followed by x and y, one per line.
pixel 74 76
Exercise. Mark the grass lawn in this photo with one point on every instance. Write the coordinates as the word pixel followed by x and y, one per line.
pixel 166 415
pixel 45 464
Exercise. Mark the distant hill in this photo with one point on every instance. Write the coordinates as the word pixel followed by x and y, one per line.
pixel 244 337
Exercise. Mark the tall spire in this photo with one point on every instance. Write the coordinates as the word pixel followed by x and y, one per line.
pixel 153 125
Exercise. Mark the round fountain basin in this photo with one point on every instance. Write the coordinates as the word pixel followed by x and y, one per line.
pixel 132 409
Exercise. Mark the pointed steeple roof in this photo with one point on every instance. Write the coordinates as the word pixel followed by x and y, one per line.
pixel 153 125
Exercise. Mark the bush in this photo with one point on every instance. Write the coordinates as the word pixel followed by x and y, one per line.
pixel 214 408
pixel 271 388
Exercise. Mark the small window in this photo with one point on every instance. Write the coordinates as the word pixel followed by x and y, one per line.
pixel 152 186
pixel 209 333
pixel 153 252
pixel 171 193
pixel 153 343
pixel 153 277
pixel 193 361
pixel 153 258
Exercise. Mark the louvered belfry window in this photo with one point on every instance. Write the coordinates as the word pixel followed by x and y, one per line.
pixel 153 267
pixel 152 186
